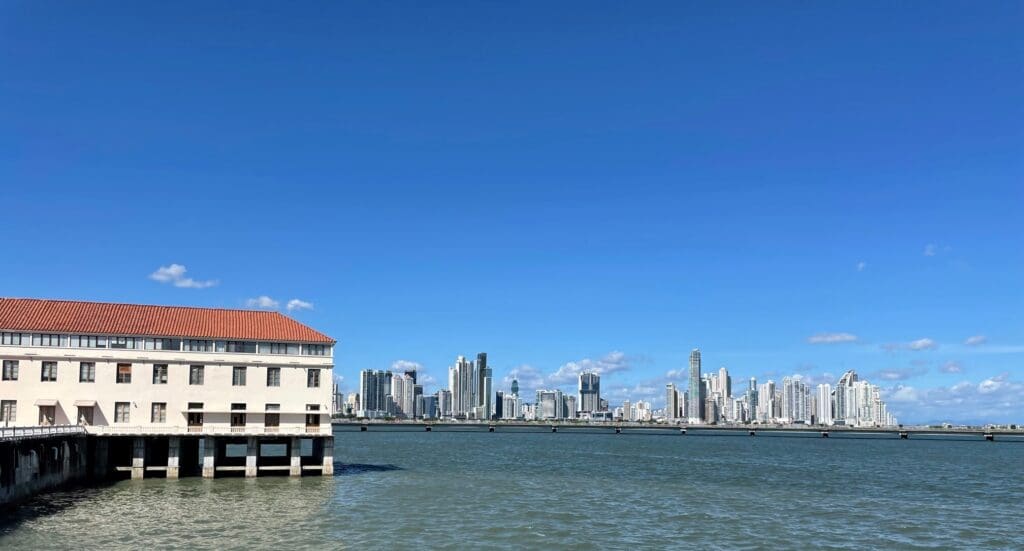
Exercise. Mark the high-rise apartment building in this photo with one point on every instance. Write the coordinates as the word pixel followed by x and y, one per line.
pixel 589 392
pixel 695 398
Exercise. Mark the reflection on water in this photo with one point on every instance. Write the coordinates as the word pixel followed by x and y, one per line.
pixel 465 490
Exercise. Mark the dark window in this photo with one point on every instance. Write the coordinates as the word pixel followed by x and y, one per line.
pixel 121 412
pixel 124 373
pixel 313 378
pixel 49 372
pixel 242 346
pixel 273 376
pixel 122 342
pixel 314 349
pixel 10 370
pixel 195 375
pixel 13 339
pixel 193 345
pixel 159 374
pixel 45 340
pixel 159 414
pixel 238 376
pixel 87 372
pixel 279 348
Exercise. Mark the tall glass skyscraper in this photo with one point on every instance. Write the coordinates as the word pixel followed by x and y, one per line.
pixel 695 403
pixel 589 392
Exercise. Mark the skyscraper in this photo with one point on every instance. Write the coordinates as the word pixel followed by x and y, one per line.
pixel 823 415
pixel 515 387
pixel 589 392
pixel 484 394
pixel 374 389
pixel 671 402
pixel 462 379
pixel 696 401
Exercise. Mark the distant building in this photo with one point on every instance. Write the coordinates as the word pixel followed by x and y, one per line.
pixel 695 401
pixel 589 392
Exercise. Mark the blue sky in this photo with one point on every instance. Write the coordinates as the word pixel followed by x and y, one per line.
pixel 577 185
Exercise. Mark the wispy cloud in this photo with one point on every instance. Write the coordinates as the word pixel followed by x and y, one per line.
pixel 923 344
pixel 612 362
pixel 296 304
pixel 897 374
pixel 951 367
pixel 931 249
pixel 831 338
pixel 263 302
pixel 916 345
pixel 405 365
pixel 175 275
pixel 976 340
pixel 861 265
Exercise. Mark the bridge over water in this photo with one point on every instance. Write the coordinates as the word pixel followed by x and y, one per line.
pixel 803 431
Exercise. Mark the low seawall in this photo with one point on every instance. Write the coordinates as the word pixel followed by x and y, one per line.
pixel 33 463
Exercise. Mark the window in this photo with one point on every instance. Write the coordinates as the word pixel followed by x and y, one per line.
pixel 193 345
pixel 241 346
pixel 124 373
pixel 8 411
pixel 313 378
pixel 238 376
pixel 159 412
pixel 121 412
pixel 195 414
pixel 237 415
pixel 84 415
pixel 88 341
pixel 312 419
pixel 159 374
pixel 272 418
pixel 10 370
pixel 47 415
pixel 13 339
pixel 122 342
pixel 279 348
pixel 163 344
pixel 49 372
pixel 87 372
pixel 46 340
pixel 195 375
pixel 273 376
pixel 314 349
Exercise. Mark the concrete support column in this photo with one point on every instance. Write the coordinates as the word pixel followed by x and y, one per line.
pixel 173 456
pixel 327 445
pixel 101 465
pixel 138 458
pixel 295 450
pixel 209 456
pixel 251 455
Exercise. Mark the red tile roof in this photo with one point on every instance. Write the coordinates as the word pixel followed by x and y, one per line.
pixel 67 316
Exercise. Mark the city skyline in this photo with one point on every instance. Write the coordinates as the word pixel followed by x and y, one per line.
pixel 796 191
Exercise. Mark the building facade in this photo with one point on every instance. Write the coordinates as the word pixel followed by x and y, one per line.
pixel 112 367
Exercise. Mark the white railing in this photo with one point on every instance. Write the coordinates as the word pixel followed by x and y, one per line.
pixel 13 433
pixel 107 430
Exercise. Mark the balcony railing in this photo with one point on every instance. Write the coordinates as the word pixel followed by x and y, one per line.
pixel 211 430
pixel 16 433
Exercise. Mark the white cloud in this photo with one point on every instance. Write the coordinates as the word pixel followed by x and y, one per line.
pixel 405 365
pixel 898 374
pixel 976 340
pixel 680 373
pixel 296 304
pixel 831 338
pixel 931 249
pixel 993 400
pixel 263 302
pixel 861 265
pixel 530 379
pixel 612 362
pixel 951 367
pixel 175 275
pixel 923 344
pixel 918 345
